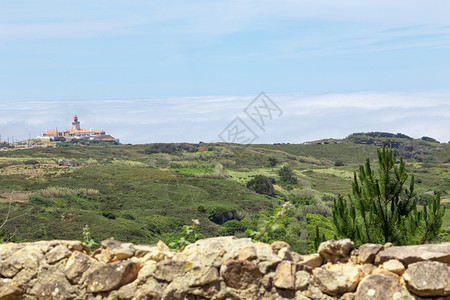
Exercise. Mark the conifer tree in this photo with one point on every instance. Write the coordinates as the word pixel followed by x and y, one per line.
pixel 380 209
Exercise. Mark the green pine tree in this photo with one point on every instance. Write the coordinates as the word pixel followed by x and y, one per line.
pixel 380 209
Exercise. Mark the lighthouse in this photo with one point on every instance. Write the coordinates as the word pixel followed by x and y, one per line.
pixel 75 123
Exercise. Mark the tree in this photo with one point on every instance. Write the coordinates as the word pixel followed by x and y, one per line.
pixel 380 209
pixel 262 185
pixel 287 175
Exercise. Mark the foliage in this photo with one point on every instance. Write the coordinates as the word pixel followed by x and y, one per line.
pixel 381 210
pixel 287 175
pixel 338 163
pixel 87 238
pixel 232 226
pixel 40 200
pixel 189 235
pixel 170 148
pixel 429 139
pixel 273 161
pixel 269 227
pixel 262 185
pixel 57 192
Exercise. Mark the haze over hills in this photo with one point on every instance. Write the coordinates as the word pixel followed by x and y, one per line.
pixel 143 193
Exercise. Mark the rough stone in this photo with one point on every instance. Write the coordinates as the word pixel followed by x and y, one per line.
pixel 147 270
pixel 240 274
pixel 285 275
pixel 57 253
pixel 338 279
pixel 367 252
pixel 10 289
pixel 312 260
pixel 247 253
pixel 106 277
pixel 428 278
pixel 411 254
pixel 162 246
pixel 381 287
pixel 302 280
pixel 278 245
pixel 127 292
pixel 54 289
pixel 169 269
pixel 76 265
pixel 394 266
pixel 285 254
pixel 336 251
pixel 266 257
pixel 112 250
pixel 387 273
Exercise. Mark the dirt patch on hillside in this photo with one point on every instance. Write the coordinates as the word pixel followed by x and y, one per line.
pixel 6 196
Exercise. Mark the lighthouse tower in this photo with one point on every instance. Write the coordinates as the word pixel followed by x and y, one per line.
pixel 75 123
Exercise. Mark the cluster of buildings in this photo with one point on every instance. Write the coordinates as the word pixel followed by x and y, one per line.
pixel 76 132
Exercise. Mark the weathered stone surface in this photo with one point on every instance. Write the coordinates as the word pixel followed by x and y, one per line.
pixel 147 270
pixel 336 251
pixel 106 277
pixel 367 252
pixel 411 254
pixel 278 245
pixel 247 253
pixel 57 253
pixel 76 265
pixel 285 275
pixel 240 274
pixel 338 279
pixel 312 260
pixel 9 289
pixel 285 254
pixel 381 287
pixel 266 258
pixel 302 280
pixel 387 273
pixel 54 289
pixel 394 266
pixel 112 250
pixel 162 246
pixel 127 292
pixel 428 278
pixel 169 269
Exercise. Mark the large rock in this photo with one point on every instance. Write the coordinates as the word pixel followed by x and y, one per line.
pixel 311 260
pixel 266 258
pixel 379 287
pixel 169 269
pixel 411 254
pixel 367 252
pixel 240 274
pixel 285 275
pixel 57 253
pixel 77 264
pixel 428 278
pixel 10 289
pixel 338 279
pixel 336 251
pixel 112 251
pixel 394 266
pixel 106 277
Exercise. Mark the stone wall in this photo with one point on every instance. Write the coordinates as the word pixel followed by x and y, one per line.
pixel 222 268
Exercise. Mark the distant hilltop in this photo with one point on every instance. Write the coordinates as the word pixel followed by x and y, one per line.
pixel 76 132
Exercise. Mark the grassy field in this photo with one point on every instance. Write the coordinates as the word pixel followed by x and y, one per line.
pixel 139 197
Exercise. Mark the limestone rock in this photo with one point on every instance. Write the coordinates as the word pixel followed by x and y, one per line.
pixel 169 269
pixel 112 250
pixel 57 253
pixel 162 246
pixel 106 277
pixel 302 280
pixel 240 274
pixel 285 275
pixel 9 289
pixel 428 278
pixel 394 266
pixel 278 245
pixel 266 258
pixel 146 271
pixel 312 260
pixel 128 291
pixel 285 254
pixel 55 288
pixel 76 265
pixel 387 273
pixel 411 254
pixel 381 287
pixel 338 279
pixel 336 251
pixel 247 253
pixel 367 252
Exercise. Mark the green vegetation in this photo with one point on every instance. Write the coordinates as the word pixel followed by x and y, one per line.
pixel 146 193
pixel 262 185
pixel 382 210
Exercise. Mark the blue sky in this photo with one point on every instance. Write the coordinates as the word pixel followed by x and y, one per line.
pixel 62 52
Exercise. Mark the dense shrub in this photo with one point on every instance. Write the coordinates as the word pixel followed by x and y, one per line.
pixel 220 214
pixel 233 226
pixel 262 185
pixel 170 148
pixel 109 215
pixel 40 201
pixel 429 139
pixel 287 175
pixel 273 161
pixel 339 163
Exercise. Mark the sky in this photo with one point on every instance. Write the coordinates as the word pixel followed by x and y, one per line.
pixel 151 71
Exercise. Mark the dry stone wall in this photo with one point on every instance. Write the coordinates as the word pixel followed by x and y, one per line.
pixel 223 268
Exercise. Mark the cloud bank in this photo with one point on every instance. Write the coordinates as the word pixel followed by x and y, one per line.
pixel 193 119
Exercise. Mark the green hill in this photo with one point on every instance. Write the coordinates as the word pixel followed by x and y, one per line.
pixel 142 193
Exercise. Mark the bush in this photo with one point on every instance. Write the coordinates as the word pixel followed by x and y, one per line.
pixel 273 161
pixel 233 226
pixel 109 215
pixel 220 214
pixel 170 148
pixel 339 163
pixel 262 185
pixel 287 175
pixel 201 209
pixel 40 201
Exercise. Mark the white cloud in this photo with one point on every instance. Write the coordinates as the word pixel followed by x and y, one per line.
pixel 193 119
